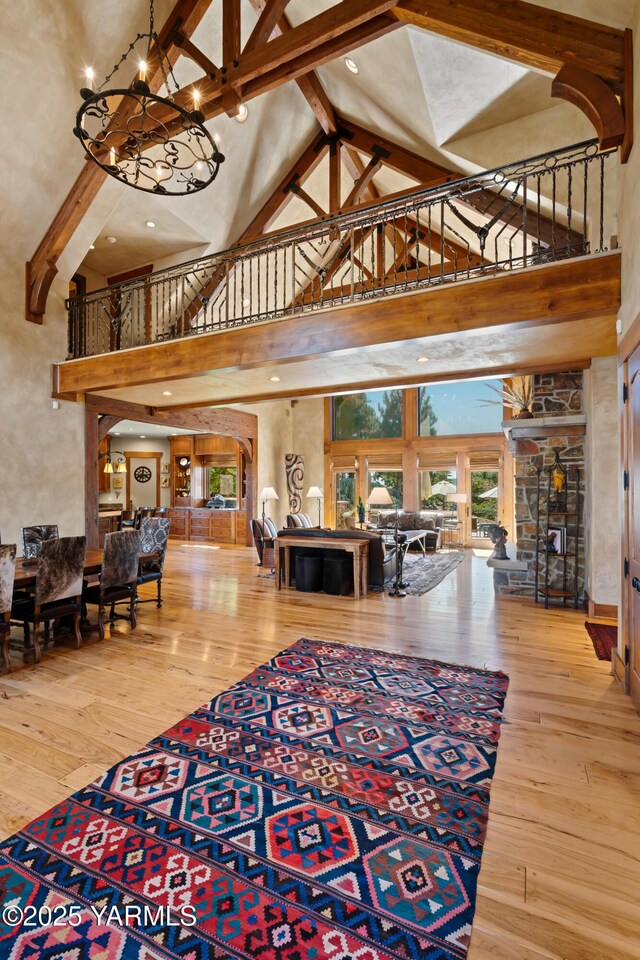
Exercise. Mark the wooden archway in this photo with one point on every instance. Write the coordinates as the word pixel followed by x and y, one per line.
pixel 102 414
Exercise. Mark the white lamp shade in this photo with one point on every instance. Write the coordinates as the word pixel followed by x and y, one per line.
pixel 379 497
pixel 268 493
pixel 315 493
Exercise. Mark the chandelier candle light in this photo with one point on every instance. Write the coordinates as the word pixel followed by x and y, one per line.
pixel 141 138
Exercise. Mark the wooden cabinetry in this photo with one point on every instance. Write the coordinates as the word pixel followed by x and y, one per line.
pixel 181 471
pixel 215 446
pixel 204 525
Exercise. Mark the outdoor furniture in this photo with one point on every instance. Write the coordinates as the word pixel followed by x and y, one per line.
pixel 118 577
pixel 7 576
pixel 58 589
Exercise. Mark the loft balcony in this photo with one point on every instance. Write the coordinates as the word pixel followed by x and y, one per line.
pixel 540 218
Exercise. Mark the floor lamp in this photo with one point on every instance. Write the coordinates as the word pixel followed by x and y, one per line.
pixel 267 494
pixel 315 493
pixel 380 497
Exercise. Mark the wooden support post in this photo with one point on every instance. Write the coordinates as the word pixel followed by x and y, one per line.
pixel 91 443
pixel 335 170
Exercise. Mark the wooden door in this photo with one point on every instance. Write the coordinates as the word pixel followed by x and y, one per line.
pixel 632 583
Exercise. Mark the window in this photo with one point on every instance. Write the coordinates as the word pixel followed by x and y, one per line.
pixel 392 480
pixel 434 487
pixel 368 416
pixel 344 498
pixel 222 481
pixel 484 501
pixel 454 409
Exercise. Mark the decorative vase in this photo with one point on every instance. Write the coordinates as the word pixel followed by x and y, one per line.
pixel 524 414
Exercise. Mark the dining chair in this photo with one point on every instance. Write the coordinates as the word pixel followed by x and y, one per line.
pixel 33 537
pixel 58 590
pixel 7 574
pixel 127 519
pixel 160 512
pixel 154 538
pixel 118 578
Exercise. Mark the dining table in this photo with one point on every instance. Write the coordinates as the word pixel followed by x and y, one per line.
pixel 26 570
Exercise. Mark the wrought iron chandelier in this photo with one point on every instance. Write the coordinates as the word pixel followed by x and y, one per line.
pixel 147 141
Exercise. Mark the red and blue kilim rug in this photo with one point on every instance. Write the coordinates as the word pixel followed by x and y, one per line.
pixel 331 806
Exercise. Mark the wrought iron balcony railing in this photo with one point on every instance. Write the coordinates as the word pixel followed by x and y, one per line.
pixel 552 207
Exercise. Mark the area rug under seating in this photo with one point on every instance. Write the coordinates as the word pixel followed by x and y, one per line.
pixel 424 573
pixel 331 806
pixel 603 637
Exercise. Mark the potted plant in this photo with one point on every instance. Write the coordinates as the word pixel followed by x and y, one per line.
pixel 517 395
pixel 361 511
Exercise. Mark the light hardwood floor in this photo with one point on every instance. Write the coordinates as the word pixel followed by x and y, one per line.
pixel 560 876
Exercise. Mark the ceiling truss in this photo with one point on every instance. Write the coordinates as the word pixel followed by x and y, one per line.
pixel 592 65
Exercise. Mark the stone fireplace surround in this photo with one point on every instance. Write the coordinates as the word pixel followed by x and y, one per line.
pixel 559 425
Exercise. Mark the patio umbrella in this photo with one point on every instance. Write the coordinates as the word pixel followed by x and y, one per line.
pixel 443 487
pixel 425 489
pixel 490 494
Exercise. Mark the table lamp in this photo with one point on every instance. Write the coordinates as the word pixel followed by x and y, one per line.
pixel 315 493
pixel 267 494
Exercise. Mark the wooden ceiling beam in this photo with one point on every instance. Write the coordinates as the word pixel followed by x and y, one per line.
pixel 42 268
pixel 535 36
pixel 577 289
pixel 272 11
pixel 222 421
pixel 308 84
pixel 363 181
pixel 196 55
pixel 400 159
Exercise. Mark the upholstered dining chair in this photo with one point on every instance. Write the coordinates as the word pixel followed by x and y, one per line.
pixel 154 538
pixel 33 537
pixel 58 590
pixel 160 512
pixel 127 519
pixel 7 574
pixel 118 578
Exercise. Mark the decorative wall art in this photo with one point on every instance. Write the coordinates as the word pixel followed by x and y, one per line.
pixel 294 467
pixel 164 482
pixel 164 468
pixel 142 474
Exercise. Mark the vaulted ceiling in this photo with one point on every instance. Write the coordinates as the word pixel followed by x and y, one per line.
pixel 444 100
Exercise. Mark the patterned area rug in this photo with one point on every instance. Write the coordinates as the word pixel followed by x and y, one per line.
pixel 331 806
pixel 603 637
pixel 425 573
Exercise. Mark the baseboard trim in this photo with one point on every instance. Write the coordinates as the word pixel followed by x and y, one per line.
pixel 601 611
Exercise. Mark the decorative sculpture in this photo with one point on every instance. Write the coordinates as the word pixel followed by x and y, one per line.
pixel 294 467
pixel 498 536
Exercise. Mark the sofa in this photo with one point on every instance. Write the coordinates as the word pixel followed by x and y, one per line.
pixel 432 522
pixel 296 520
pixel 382 558
pixel 264 532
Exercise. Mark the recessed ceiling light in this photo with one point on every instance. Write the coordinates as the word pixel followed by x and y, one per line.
pixel 111 239
pixel 351 65
pixel 242 113
pixel 116 434
pixel 150 224
pixel 274 379
pixel 166 393
pixel 143 436
pixel 246 302
pixel 92 247
pixel 423 359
